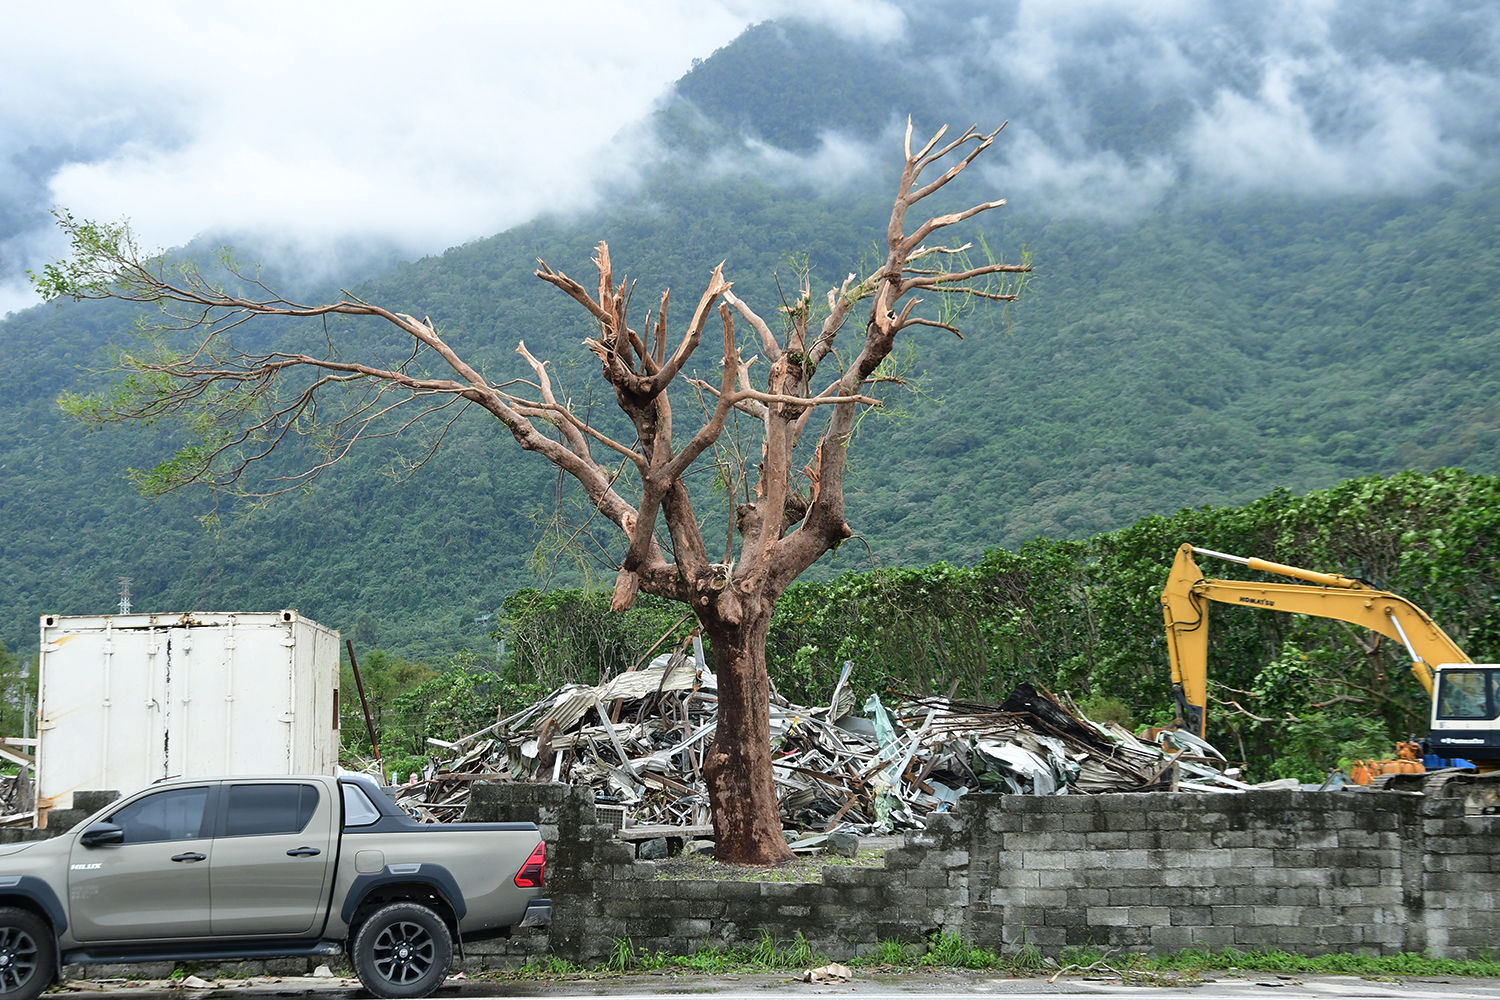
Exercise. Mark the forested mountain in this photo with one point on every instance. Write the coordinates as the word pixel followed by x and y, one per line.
pixel 1206 323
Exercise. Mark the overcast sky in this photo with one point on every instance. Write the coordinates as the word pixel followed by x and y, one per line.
pixel 422 124
pixel 335 124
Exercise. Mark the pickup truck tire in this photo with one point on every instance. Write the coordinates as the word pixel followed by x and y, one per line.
pixel 28 954
pixel 402 951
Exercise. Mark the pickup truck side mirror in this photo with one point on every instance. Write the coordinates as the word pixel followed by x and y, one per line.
pixel 101 833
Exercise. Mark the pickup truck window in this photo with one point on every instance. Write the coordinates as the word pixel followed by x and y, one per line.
pixel 173 814
pixel 265 809
pixel 358 809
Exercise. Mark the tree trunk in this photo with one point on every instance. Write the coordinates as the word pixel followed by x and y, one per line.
pixel 737 768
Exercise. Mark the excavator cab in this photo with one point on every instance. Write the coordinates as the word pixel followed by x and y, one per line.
pixel 1466 712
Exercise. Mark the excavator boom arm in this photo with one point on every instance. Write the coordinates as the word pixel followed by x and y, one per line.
pixel 1186 597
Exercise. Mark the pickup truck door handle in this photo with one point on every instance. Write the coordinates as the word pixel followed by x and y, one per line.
pixel 302 852
pixel 189 857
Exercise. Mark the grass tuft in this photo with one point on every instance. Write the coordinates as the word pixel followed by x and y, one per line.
pixel 949 951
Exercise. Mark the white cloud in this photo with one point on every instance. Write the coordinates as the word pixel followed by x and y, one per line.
pixel 1116 102
pixel 419 125
pixel 1319 126
pixel 1100 185
pixel 839 160
pixel 413 128
pixel 866 20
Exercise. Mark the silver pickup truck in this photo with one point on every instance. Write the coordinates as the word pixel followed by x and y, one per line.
pixel 232 869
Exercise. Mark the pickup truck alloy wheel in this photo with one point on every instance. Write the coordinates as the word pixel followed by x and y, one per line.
pixel 403 951
pixel 27 954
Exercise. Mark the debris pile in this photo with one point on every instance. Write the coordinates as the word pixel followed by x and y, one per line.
pixel 638 741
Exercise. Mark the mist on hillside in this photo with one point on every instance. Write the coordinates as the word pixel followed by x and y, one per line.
pixel 1114 107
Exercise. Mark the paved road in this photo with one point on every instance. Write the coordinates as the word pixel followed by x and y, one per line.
pixel 864 986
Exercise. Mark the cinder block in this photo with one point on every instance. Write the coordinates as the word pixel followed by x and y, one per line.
pixel 701 909
pixel 1213 937
pixel 948 859
pixel 1190 875
pixel 1469 943
pixel 1172 938
pixel 925 879
pixel 1356 876
pixel 1230 839
pixel 1281 916
pixel 1436 876
pixel 692 889
pixel 1065 916
pixel 1450 918
pixel 1359 915
pixel 996 821
pixel 1175 896
pixel 944 824
pixel 1048 938
pixel 1189 916
pixel 1044 860
pixel 1386 938
pixel 1359 839
pixel 1298 857
pixel 1303 897
pixel 1442 808
pixel 1110 878
pixel 1048 897
pixel 1148 916
pixel 1066 878
pixel 1317 840
pixel 1017 917
pixel 1107 916
pixel 1481 826
pixel 1078 822
pixel 1132 896
pixel 1251 857
pixel 902 858
pixel 1284 878
pixel 1467 863
pixel 1385 895
pixel 1231 916
pixel 1019 878
pixel 783 890
pixel 944 898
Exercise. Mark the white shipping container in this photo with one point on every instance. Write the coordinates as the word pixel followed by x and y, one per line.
pixel 127 699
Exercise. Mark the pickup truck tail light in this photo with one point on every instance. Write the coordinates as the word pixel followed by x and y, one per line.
pixel 530 875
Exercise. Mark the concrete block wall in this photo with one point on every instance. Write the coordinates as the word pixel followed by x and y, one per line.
pixel 602 896
pixel 1284 870
pixel 1378 873
pixel 1460 880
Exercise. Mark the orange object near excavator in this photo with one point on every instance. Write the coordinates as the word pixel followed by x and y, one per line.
pixel 1465 715
pixel 1408 760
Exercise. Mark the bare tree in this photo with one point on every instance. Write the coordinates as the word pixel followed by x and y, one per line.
pixel 244 404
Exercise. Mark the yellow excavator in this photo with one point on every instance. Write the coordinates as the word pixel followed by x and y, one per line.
pixel 1465 696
